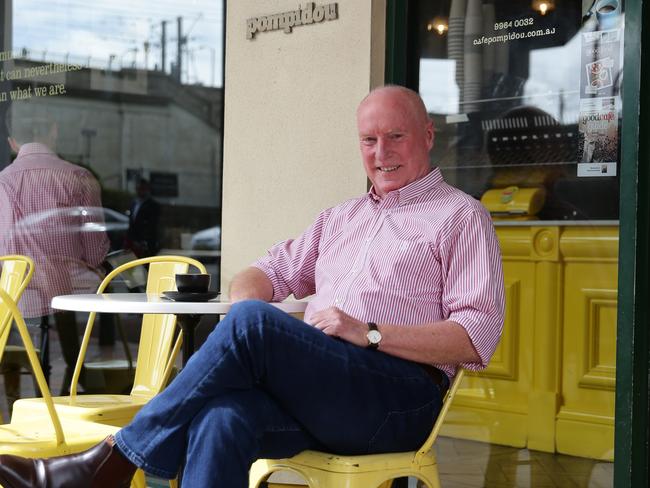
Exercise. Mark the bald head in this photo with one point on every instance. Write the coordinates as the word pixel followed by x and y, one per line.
pixel 406 97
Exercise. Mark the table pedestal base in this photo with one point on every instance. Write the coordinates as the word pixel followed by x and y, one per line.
pixel 188 323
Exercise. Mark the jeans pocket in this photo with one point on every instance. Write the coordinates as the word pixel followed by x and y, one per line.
pixel 404 430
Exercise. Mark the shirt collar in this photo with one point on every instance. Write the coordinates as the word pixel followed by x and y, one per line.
pixel 34 148
pixel 412 190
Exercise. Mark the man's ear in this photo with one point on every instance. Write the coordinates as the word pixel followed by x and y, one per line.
pixel 13 144
pixel 430 134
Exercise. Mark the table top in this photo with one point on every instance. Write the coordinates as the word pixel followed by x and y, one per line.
pixel 153 303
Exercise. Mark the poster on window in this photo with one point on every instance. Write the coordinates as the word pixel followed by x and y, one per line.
pixel 598 137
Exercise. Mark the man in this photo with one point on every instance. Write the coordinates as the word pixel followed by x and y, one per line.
pixel 39 195
pixel 44 205
pixel 142 236
pixel 407 285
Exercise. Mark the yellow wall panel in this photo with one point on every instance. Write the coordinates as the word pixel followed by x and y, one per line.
pixel 505 359
pixel 492 406
pixel 550 385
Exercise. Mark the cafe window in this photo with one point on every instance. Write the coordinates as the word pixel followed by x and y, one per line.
pixel 526 101
pixel 111 137
pixel 525 95
pixel 134 91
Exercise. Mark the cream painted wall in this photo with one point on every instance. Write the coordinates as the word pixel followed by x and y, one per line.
pixel 290 143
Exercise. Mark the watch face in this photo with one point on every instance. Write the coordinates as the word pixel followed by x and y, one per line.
pixel 374 336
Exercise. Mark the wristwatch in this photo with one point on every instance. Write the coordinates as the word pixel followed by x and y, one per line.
pixel 373 336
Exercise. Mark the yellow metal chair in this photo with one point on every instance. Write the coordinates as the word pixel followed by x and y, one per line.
pixel 46 436
pixel 324 470
pixel 17 271
pixel 154 362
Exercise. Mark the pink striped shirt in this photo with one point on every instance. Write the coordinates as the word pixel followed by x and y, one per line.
pixel 36 184
pixel 424 253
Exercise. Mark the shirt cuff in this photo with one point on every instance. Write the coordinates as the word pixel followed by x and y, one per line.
pixel 484 333
pixel 280 291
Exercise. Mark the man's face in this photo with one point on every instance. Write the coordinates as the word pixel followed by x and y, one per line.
pixel 395 140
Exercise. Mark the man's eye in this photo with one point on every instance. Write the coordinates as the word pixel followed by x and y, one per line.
pixel 368 141
pixel 396 136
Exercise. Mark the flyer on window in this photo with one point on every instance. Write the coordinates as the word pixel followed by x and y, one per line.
pixel 601 64
pixel 598 136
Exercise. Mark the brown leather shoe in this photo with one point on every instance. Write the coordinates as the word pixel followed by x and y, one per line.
pixel 101 466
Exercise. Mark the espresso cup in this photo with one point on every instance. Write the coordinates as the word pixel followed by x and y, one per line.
pixel 192 282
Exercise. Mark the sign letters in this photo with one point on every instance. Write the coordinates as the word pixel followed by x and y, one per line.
pixel 286 21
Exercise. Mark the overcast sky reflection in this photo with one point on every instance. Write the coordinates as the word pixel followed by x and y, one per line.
pixel 112 34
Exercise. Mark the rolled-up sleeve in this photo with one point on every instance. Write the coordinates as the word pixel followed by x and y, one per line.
pixel 473 291
pixel 290 265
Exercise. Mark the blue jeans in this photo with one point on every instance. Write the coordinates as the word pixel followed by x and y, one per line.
pixel 265 384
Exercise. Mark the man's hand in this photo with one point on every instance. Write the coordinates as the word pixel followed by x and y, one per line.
pixel 336 323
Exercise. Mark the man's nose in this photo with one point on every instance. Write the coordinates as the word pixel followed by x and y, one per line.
pixel 382 148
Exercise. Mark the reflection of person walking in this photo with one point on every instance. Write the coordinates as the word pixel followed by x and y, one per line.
pixel 142 236
pixel 46 191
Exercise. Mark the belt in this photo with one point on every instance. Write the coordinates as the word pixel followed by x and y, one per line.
pixel 438 377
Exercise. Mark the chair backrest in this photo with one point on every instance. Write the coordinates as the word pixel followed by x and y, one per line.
pixel 446 403
pixel 9 306
pixel 17 271
pixel 158 330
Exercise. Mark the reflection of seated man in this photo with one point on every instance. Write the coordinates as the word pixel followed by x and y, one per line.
pixel 142 236
pixel 407 286
pixel 40 184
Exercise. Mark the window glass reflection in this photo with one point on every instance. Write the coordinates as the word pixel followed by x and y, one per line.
pixel 134 90
pixel 526 99
pixel 526 94
pixel 110 138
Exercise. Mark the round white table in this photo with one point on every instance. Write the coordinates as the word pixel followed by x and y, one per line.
pixel 188 313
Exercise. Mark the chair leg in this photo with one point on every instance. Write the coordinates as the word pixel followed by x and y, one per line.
pixel 256 474
pixel 429 477
pixel 138 480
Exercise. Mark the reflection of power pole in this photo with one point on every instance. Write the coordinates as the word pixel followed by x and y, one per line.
pixel 163 44
pixel 179 49
pixel 146 55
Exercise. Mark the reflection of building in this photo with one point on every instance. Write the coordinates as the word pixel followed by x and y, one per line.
pixel 136 122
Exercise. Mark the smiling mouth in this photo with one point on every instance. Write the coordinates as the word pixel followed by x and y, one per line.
pixel 388 169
